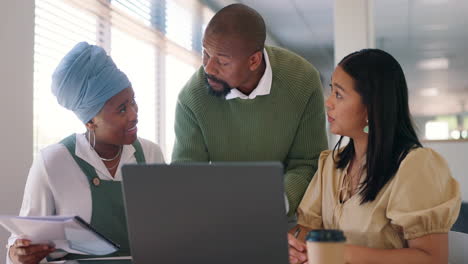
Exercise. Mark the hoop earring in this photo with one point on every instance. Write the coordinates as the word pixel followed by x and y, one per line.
pixel 366 128
pixel 89 132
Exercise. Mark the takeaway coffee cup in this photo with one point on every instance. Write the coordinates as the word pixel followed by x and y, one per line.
pixel 325 246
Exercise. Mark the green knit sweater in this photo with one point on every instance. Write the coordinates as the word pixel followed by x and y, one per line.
pixel 288 125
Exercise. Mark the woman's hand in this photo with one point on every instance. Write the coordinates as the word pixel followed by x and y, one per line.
pixel 22 252
pixel 297 250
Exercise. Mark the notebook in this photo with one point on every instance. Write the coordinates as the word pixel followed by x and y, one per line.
pixel 69 233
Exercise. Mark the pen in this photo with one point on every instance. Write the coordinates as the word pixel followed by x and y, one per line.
pixel 296 233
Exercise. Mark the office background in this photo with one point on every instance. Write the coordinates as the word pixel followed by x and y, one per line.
pixel 158 43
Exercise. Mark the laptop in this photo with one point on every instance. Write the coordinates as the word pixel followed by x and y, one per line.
pixel 206 213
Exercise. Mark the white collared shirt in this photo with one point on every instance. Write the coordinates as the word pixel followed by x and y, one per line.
pixel 57 186
pixel 263 87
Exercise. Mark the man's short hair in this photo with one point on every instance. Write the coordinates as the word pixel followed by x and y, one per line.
pixel 240 21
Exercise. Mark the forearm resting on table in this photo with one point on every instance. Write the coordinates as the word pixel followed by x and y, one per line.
pixel 429 249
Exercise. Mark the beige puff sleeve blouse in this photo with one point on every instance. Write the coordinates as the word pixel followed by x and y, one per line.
pixel 422 198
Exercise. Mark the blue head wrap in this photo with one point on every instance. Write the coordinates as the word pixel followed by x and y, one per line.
pixel 85 79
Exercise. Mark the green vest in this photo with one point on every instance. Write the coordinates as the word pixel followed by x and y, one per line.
pixel 108 212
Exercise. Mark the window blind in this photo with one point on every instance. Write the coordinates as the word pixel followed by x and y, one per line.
pixel 140 35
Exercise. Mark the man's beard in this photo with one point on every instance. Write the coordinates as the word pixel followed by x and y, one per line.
pixel 226 88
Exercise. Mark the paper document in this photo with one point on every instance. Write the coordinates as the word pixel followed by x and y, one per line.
pixel 109 260
pixel 69 233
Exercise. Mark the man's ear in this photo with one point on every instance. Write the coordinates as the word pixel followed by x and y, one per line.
pixel 255 60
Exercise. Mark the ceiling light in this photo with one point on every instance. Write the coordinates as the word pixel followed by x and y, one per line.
pixel 435 27
pixel 434 64
pixel 429 92
pixel 434 2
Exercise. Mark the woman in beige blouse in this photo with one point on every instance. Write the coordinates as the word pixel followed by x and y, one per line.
pixel 394 199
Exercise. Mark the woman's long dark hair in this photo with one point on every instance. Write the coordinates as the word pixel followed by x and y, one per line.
pixel 381 83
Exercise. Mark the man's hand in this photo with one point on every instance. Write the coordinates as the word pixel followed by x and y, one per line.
pixel 297 250
pixel 22 252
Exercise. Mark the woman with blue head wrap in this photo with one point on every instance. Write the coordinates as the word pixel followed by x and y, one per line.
pixel 81 174
pixel 85 79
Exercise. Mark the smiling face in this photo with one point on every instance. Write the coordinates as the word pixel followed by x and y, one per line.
pixel 116 123
pixel 346 112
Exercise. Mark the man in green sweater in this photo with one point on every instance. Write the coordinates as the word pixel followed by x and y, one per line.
pixel 251 102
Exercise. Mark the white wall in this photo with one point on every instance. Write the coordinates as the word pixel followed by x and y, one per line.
pixel 456 154
pixel 353 26
pixel 16 109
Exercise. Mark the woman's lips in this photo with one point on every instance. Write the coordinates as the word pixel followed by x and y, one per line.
pixel 132 130
pixel 330 119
